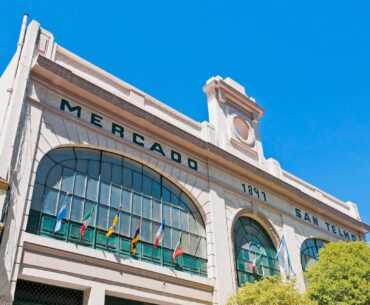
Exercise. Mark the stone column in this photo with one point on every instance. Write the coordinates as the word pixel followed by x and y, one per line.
pixel 95 295
pixel 220 260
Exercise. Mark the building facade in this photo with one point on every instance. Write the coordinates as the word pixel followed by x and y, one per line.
pixel 81 146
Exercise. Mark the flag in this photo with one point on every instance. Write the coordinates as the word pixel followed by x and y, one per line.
pixel 136 238
pixel 256 263
pixel 113 226
pixel 282 256
pixel 159 236
pixel 62 214
pixel 86 220
pixel 178 250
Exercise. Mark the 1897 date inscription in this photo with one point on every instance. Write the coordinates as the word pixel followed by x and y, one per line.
pixel 253 191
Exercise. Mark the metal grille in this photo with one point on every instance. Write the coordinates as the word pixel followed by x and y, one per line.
pixel 109 300
pixel 40 294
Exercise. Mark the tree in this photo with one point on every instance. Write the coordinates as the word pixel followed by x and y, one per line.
pixel 269 291
pixel 342 277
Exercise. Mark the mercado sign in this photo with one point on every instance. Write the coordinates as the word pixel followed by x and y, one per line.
pixel 336 230
pixel 118 130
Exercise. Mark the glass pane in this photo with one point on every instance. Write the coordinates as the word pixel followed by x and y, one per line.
pixel 166 196
pixel 87 154
pixel 104 193
pixel 151 174
pixel 167 238
pixel 203 248
pixel 184 220
pixel 147 206
pixel 126 200
pixel 81 166
pixel 115 199
pixel 127 178
pixel 185 242
pixel 167 214
pixel 145 232
pixel 112 158
pixel 53 178
pixel 174 199
pixel 50 201
pixel 37 197
pixel 156 190
pixel 80 183
pixel 92 188
pixel 194 244
pixel 147 186
pixel 94 168
pixel 193 224
pixel 133 165
pixel 68 179
pixel 102 217
pixel 137 182
pixel 70 164
pixel 125 224
pixel 157 210
pixel 43 170
pixel 136 204
pixel 117 174
pixel 76 209
pixel 62 154
pixel 105 172
pixel 176 217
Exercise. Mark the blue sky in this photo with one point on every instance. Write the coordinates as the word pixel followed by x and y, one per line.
pixel 306 63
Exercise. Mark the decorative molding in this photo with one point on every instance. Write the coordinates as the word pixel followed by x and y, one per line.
pixel 46 66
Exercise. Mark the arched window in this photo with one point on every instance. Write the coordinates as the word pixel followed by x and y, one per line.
pixel 111 182
pixel 309 252
pixel 254 250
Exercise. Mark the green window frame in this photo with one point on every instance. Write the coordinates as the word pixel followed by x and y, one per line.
pixel 310 252
pixel 111 182
pixel 250 240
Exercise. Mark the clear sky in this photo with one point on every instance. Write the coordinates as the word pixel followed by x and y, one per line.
pixel 306 62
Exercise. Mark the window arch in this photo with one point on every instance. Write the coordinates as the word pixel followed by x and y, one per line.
pixel 309 252
pixel 251 240
pixel 110 182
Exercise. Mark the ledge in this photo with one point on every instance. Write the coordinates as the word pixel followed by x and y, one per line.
pixel 56 73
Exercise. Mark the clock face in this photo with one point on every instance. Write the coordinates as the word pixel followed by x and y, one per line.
pixel 241 128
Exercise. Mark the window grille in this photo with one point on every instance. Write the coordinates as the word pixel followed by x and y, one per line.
pixel 32 293
pixel 251 240
pixel 109 300
pixel 310 252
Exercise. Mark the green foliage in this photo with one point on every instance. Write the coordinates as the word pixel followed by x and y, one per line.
pixel 342 277
pixel 269 291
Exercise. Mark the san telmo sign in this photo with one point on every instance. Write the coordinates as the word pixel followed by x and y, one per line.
pixel 120 131
pixel 336 230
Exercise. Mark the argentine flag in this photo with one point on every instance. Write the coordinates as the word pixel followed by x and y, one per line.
pixel 62 214
pixel 283 258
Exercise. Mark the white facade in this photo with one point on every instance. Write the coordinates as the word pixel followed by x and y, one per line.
pixel 222 170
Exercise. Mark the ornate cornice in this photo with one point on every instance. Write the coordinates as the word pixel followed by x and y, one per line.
pixel 46 66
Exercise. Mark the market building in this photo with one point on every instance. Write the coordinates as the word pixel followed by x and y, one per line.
pixel 79 146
